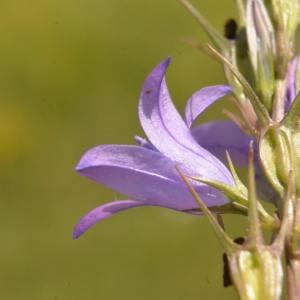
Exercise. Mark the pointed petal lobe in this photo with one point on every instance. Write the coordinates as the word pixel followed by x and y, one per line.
pixel 107 210
pixel 202 99
pixel 170 135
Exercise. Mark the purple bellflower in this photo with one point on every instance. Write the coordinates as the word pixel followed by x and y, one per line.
pixel 147 172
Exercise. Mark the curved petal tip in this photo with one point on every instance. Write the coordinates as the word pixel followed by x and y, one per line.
pixel 155 77
pixel 102 212
pixel 202 99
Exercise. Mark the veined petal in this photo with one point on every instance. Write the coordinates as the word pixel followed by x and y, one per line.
pixel 144 174
pixel 219 136
pixel 103 212
pixel 107 210
pixel 170 135
pixel 202 99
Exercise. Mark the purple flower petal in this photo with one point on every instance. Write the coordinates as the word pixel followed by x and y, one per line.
pixel 107 210
pixel 219 136
pixel 291 90
pixel 202 99
pixel 169 133
pixel 103 212
pixel 144 174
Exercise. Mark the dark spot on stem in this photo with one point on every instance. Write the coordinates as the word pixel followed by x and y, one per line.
pixel 230 29
pixel 227 281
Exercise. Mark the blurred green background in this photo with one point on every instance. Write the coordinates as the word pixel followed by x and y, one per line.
pixel 70 77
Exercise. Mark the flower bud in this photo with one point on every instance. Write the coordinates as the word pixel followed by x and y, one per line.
pixel 279 151
pixel 257 273
pixel 262 48
pixel 286 14
pixel 275 157
pixel 260 33
pixel 254 267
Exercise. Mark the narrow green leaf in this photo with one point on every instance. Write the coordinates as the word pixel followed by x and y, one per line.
pixel 239 199
pixel 228 245
pixel 255 234
pixel 197 45
pixel 287 213
pixel 241 187
pixel 231 192
pixel 222 44
pixel 258 107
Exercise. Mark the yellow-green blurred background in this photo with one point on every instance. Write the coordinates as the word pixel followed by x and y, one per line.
pixel 70 77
